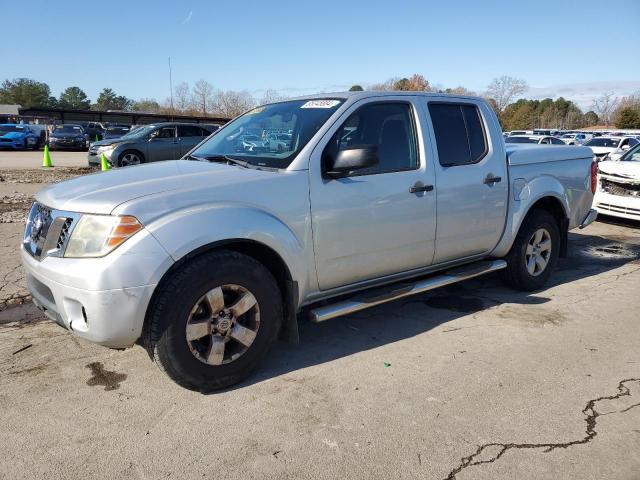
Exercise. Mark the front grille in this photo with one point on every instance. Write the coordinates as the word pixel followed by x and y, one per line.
pixel 607 207
pixel 620 189
pixel 48 231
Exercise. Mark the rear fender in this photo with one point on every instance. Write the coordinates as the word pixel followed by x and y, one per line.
pixel 523 196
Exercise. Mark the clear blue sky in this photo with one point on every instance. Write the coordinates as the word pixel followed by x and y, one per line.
pixel 559 47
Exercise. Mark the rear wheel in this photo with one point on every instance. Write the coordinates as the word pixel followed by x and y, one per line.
pixel 214 320
pixel 534 253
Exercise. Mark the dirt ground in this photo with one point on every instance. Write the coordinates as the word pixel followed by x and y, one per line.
pixel 474 381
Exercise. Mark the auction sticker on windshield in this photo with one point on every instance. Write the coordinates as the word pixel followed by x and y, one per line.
pixel 321 104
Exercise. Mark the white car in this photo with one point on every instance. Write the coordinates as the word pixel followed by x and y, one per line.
pixel 539 139
pixel 575 138
pixel 604 148
pixel 618 190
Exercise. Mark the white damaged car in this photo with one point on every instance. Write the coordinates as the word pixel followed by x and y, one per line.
pixel 618 191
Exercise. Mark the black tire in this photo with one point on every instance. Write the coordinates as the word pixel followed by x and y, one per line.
pixel 517 274
pixel 130 152
pixel 164 334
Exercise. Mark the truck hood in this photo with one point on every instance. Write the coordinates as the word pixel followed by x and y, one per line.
pixel 102 192
pixel 627 170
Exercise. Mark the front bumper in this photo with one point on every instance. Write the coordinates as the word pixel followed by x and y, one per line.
pixel 74 144
pixel 103 300
pixel 15 145
pixel 617 205
pixel 93 156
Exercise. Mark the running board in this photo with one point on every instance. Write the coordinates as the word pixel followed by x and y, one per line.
pixel 400 290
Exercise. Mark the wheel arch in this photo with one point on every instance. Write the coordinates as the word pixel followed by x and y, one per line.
pixel 132 149
pixel 550 201
pixel 259 252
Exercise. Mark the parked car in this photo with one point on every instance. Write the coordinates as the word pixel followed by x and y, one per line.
pixel 618 192
pixel 603 147
pixel 18 136
pixel 68 136
pixel 279 142
pixel 95 130
pixel 151 143
pixel 539 139
pixel 115 132
pixel 209 261
pixel 575 138
pixel 252 143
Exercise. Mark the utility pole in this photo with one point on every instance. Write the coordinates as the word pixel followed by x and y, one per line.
pixel 170 88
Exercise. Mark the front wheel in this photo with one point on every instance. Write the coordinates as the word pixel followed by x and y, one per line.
pixel 214 320
pixel 129 158
pixel 534 253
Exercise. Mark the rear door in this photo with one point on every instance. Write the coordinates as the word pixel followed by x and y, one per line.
pixel 471 180
pixel 189 136
pixel 163 144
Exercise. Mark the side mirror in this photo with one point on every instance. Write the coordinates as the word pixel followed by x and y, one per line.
pixel 625 147
pixel 351 159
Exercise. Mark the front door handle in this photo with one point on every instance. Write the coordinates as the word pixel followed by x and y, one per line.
pixel 490 179
pixel 420 187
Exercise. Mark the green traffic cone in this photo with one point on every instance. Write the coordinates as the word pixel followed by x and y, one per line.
pixel 46 158
pixel 104 163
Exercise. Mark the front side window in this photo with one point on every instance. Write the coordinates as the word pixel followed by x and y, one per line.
pixel 459 132
pixel 165 132
pixel 249 137
pixel 386 126
pixel 556 141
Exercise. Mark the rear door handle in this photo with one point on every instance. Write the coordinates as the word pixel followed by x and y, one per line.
pixel 420 187
pixel 490 179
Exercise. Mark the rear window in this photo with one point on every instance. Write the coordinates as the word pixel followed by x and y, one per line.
pixel 459 132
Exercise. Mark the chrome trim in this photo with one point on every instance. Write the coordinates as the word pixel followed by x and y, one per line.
pixel 590 218
pixel 57 222
pixel 345 307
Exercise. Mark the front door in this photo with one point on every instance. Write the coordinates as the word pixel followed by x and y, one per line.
pixel 370 224
pixel 163 145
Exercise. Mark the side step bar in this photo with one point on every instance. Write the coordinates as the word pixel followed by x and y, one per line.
pixel 383 295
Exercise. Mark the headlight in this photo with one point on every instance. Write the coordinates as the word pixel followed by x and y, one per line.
pixel 97 235
pixel 104 148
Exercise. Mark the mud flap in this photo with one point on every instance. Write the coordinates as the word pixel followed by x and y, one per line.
pixel 564 237
pixel 289 330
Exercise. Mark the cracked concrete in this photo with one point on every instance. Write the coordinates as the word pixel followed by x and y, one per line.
pixel 494 451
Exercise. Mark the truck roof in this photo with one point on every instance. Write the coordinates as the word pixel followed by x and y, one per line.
pixel 377 93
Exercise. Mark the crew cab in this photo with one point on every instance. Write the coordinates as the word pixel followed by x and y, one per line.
pixel 378 195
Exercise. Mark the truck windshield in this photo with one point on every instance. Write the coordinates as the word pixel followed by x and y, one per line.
pixel 271 135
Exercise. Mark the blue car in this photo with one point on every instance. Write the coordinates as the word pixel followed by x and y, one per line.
pixel 18 137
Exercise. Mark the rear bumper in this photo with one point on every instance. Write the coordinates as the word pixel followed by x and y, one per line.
pixel 589 218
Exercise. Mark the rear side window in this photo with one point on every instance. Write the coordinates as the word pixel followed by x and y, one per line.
pixel 189 131
pixel 459 132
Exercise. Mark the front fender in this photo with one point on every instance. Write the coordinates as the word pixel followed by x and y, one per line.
pixel 523 195
pixel 190 229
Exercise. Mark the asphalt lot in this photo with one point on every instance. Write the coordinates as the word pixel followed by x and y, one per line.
pixel 12 159
pixel 474 381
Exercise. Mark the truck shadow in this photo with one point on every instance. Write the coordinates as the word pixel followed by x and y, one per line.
pixel 589 255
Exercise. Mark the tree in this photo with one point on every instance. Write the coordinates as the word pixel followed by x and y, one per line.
pixel 504 89
pixel 108 100
pixel 590 118
pixel 356 88
pixel 182 97
pixel 231 103
pixel 25 92
pixel 148 105
pixel 74 98
pixel 202 95
pixel 604 106
pixel 271 96
pixel 459 91
pixel 627 118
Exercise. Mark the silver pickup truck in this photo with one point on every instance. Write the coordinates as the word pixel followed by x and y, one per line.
pixel 374 196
